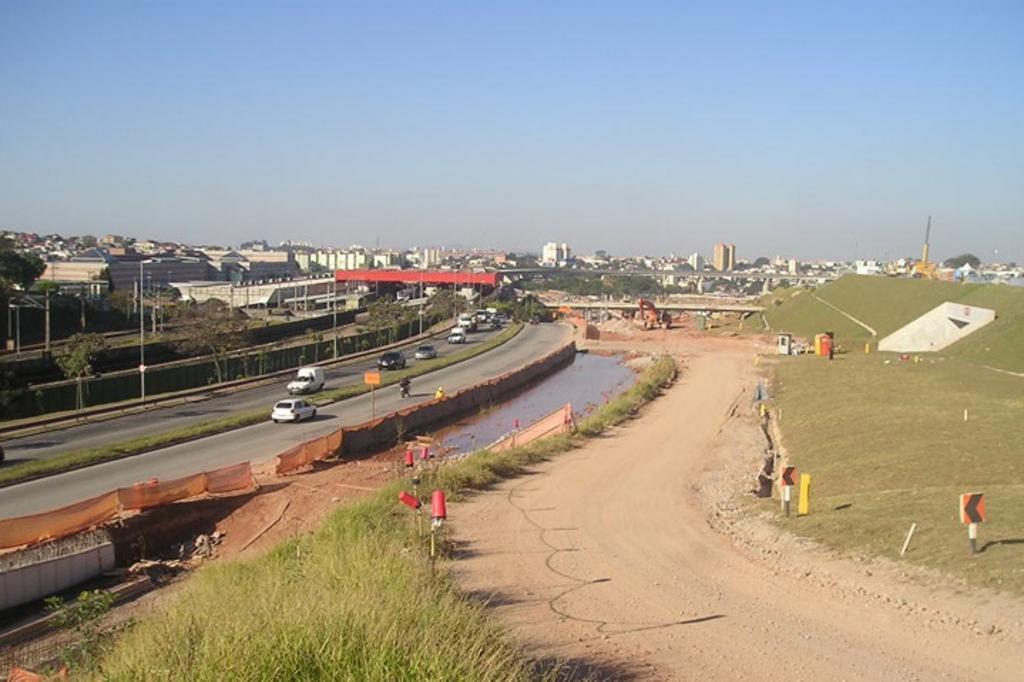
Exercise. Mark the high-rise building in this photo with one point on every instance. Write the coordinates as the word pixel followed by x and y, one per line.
pixel 725 257
pixel 554 253
pixel 696 262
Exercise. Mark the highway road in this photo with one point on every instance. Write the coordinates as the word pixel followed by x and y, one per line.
pixel 213 406
pixel 263 441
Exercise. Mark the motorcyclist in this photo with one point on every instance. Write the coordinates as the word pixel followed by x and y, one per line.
pixel 404 385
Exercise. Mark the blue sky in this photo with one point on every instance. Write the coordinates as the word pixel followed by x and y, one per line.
pixel 820 130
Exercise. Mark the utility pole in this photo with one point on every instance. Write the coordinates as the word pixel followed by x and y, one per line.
pixel 81 319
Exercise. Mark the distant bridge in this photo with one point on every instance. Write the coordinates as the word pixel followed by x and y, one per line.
pixel 514 274
pixel 705 305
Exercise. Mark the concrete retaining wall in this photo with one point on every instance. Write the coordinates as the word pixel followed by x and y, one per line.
pixel 50 576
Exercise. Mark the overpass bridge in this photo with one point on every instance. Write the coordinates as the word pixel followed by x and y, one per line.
pixel 693 305
pixel 515 274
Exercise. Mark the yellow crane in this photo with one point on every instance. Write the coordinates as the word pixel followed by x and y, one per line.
pixel 924 267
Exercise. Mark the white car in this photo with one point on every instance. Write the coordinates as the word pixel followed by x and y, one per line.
pixel 292 411
pixel 457 335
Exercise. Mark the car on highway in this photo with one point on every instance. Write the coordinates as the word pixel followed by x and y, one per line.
pixel 425 352
pixel 391 360
pixel 292 411
pixel 307 380
pixel 457 335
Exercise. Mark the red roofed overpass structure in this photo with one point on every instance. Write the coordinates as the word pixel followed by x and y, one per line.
pixel 415 277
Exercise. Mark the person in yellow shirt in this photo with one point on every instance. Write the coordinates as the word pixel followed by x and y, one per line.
pixel 439 393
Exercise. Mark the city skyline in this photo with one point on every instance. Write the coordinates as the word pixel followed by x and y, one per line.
pixel 819 133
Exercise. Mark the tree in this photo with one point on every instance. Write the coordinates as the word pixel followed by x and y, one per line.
pixel 445 302
pixel 761 262
pixel 963 259
pixel 386 314
pixel 76 360
pixel 85 617
pixel 212 328
pixel 17 270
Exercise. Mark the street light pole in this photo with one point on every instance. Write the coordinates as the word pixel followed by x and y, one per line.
pixel 46 345
pixel 334 308
pixel 142 336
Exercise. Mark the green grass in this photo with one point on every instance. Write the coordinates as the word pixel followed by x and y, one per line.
pixel 886 304
pixel 87 457
pixel 354 600
pixel 887 446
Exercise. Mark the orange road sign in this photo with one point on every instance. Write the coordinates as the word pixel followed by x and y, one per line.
pixel 371 378
pixel 972 508
pixel 789 476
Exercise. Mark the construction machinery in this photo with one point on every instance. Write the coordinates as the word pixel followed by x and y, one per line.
pixel 924 267
pixel 649 317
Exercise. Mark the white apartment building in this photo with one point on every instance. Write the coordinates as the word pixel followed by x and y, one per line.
pixel 554 253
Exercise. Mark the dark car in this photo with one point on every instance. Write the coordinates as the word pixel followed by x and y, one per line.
pixel 391 360
pixel 535 319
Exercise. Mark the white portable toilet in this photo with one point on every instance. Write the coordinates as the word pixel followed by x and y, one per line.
pixel 785 344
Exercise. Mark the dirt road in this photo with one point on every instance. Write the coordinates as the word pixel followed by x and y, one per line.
pixel 621 557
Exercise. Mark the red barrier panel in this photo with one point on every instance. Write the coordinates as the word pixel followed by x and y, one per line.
pixel 26 530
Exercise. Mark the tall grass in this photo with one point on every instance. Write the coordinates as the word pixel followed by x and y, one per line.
pixel 356 599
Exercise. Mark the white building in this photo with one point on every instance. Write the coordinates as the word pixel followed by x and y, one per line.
pixel 696 262
pixel 868 267
pixel 555 254
pixel 431 258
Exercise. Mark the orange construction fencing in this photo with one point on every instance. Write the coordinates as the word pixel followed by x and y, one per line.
pixel 154 493
pixel 26 530
pixel 229 479
pixel 559 421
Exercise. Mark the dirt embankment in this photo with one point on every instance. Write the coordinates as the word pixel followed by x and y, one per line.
pixel 634 557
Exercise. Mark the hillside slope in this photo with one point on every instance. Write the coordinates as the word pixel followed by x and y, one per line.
pixel 886 304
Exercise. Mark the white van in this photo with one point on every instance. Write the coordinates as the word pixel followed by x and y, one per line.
pixel 308 380
pixel 457 335
pixel 467 322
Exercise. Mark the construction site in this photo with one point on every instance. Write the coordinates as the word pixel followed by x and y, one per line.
pixel 683 538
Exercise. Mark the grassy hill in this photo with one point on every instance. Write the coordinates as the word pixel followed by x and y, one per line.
pixel 886 304
pixel 888 446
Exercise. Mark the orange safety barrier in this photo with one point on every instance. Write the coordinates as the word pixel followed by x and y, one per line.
pixel 229 479
pixel 334 442
pixel 559 421
pixel 25 530
pixel 290 460
pixel 154 493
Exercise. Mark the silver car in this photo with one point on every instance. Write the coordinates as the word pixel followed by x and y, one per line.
pixel 425 352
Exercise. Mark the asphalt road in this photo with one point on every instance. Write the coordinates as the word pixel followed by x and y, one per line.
pixel 104 432
pixel 263 441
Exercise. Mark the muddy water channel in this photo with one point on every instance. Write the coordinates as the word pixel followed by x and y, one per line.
pixel 590 381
